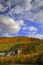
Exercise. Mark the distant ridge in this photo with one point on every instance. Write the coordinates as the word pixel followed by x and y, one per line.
pixel 19 38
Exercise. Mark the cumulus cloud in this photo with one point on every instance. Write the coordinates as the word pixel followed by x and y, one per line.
pixel 9 25
pixel 40 36
pixel 15 5
pixel 30 28
pixel 19 10
pixel 28 9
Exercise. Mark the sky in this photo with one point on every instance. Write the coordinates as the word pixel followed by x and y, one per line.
pixel 21 18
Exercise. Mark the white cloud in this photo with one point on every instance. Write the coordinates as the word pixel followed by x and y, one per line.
pixel 9 25
pixel 6 35
pixel 30 28
pixel 17 9
pixel 25 28
pixel 29 9
pixel 20 22
pixel 25 9
pixel 1 7
pixel 19 5
pixel 34 32
pixel 40 36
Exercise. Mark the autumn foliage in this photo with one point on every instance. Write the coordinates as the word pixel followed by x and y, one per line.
pixel 31 50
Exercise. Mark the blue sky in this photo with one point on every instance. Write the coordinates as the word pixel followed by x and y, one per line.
pixel 21 18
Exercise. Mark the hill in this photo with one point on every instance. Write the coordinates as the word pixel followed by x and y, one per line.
pixel 17 39
pixel 7 43
pixel 21 50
